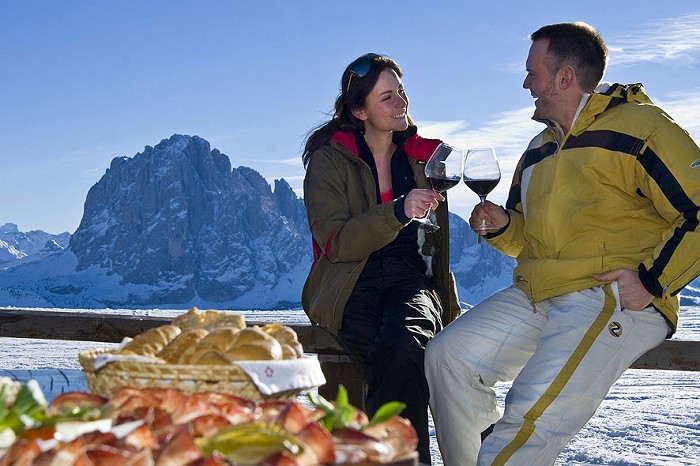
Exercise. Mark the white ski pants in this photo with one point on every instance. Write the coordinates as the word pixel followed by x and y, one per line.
pixel 562 360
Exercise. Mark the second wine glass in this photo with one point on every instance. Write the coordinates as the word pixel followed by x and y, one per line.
pixel 481 174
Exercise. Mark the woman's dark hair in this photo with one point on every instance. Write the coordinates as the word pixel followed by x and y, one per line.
pixel 578 45
pixel 354 89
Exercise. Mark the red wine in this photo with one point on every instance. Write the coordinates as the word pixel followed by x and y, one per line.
pixel 441 184
pixel 481 187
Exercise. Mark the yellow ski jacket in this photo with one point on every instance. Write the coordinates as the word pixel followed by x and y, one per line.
pixel 620 190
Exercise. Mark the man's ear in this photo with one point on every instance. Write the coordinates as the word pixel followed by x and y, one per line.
pixel 567 77
pixel 359 113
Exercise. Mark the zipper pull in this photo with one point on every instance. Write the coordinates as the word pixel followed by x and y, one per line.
pixel 530 295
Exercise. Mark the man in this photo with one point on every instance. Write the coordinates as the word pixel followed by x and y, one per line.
pixel 603 219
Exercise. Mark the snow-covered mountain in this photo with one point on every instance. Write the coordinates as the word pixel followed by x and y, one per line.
pixel 175 226
pixel 18 247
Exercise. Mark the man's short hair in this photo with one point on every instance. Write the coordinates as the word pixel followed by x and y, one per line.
pixel 578 45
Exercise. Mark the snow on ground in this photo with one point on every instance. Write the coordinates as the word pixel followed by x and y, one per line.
pixel 648 418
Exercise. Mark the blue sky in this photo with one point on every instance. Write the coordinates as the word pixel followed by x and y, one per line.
pixel 82 82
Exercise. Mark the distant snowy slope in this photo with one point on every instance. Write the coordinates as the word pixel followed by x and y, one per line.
pixel 18 247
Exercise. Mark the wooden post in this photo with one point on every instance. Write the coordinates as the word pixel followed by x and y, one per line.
pixel 340 370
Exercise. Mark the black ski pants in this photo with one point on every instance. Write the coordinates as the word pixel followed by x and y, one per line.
pixel 392 313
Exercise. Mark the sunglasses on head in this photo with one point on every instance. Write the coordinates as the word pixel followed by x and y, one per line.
pixel 360 67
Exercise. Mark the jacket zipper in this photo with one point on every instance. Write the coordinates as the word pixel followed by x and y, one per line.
pixel 530 294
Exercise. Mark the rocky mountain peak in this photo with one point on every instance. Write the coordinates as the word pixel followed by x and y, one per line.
pixel 178 213
pixel 9 228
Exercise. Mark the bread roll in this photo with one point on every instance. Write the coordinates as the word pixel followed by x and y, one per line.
pixel 260 351
pixel 223 319
pixel 192 354
pixel 252 335
pixel 151 342
pixel 211 358
pixel 188 338
pixel 222 338
pixel 272 328
pixel 286 336
pixel 289 352
pixel 192 319
pixel 252 343
pixel 209 319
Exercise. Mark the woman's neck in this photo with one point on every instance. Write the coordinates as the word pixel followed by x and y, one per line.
pixel 381 144
pixel 382 147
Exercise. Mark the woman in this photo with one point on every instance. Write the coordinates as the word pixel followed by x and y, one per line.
pixel 380 282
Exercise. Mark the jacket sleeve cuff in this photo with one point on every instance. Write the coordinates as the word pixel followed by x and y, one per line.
pixel 650 283
pixel 399 211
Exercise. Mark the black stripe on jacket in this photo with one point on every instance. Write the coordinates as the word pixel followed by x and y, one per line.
pixel 678 198
pixel 530 158
pixel 605 139
pixel 664 179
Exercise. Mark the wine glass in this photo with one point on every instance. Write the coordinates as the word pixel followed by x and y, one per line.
pixel 481 174
pixel 443 171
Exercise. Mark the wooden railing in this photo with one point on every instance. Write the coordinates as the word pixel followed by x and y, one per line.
pixel 335 363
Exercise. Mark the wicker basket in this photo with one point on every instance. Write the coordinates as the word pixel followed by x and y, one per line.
pixel 188 378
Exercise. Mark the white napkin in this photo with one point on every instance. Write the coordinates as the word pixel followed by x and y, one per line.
pixel 290 374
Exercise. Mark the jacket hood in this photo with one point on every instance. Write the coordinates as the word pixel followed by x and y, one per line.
pixel 414 146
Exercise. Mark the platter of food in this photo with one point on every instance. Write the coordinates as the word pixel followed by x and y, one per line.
pixel 166 426
pixel 204 390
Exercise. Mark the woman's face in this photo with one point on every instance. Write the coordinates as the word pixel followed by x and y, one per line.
pixel 386 105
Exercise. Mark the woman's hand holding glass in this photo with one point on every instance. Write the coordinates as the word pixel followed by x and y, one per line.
pixel 420 201
pixel 442 171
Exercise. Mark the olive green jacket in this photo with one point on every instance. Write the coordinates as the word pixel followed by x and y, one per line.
pixel 347 225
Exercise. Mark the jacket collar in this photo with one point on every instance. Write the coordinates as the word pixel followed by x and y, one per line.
pixel 605 97
pixel 415 146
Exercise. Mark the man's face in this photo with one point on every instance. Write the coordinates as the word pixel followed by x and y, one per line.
pixel 542 83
